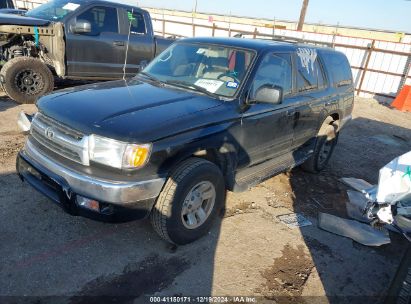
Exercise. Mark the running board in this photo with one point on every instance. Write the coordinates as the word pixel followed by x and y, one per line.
pixel 254 175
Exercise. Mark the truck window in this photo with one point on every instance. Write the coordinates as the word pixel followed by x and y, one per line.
pixel 102 19
pixel 219 70
pixel 274 69
pixel 137 23
pixel 6 4
pixel 310 76
pixel 339 68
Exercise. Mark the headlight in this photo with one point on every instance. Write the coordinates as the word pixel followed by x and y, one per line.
pixel 118 154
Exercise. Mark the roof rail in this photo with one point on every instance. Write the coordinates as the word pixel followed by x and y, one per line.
pixel 283 38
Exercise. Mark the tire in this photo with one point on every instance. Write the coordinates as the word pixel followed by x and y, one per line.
pixel 325 143
pixel 167 216
pixel 25 79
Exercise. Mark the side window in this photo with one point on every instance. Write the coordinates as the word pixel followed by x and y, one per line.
pixel 310 75
pixel 274 69
pixel 137 23
pixel 339 67
pixel 102 19
pixel 8 4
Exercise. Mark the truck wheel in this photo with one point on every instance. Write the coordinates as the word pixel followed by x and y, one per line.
pixel 326 141
pixel 189 202
pixel 25 79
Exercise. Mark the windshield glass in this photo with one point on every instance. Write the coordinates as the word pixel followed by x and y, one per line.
pixel 54 10
pixel 216 70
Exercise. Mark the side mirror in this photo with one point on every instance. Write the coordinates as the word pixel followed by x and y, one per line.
pixel 267 94
pixel 82 27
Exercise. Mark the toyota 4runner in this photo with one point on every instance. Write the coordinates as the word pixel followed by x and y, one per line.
pixel 208 114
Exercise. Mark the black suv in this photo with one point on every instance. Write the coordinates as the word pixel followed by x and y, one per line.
pixel 207 115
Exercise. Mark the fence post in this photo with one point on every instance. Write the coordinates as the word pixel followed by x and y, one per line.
pixel 255 33
pixel 192 22
pixel 407 69
pixel 213 33
pixel 164 27
pixel 370 50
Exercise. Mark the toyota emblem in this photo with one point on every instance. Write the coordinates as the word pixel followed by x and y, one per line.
pixel 49 133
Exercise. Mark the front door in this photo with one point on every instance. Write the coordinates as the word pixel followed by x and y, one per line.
pixel 267 129
pixel 100 53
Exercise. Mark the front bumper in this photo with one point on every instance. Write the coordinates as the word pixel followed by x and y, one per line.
pixel 120 199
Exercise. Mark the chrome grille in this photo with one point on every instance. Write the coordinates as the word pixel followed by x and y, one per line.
pixel 60 139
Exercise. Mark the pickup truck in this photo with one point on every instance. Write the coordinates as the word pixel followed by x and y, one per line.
pixel 7 7
pixel 73 39
pixel 205 116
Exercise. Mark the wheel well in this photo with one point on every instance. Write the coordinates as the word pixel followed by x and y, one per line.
pixel 335 116
pixel 222 160
pixel 212 155
pixel 336 120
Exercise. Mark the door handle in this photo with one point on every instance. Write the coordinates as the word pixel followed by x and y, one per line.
pixel 118 43
pixel 291 113
pixel 331 103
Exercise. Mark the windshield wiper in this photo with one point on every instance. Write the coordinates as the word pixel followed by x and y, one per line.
pixel 192 86
pixel 151 77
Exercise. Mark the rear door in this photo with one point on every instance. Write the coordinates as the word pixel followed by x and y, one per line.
pixel 101 52
pixel 268 128
pixel 141 46
pixel 310 95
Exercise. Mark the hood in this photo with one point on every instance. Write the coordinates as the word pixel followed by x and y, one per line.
pixel 12 19
pixel 131 111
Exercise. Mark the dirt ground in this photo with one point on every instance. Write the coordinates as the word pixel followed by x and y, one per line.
pixel 249 252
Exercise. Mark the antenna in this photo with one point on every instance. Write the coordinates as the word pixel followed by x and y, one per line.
pixel 130 18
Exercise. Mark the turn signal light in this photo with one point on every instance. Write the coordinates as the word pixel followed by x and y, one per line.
pixel 136 155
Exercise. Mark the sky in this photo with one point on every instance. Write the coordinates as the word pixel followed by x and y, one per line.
pixel 394 15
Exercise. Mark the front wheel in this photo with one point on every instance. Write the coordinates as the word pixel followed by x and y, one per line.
pixel 189 202
pixel 25 79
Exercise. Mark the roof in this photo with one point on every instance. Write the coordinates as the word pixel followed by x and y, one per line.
pixel 254 44
pixel 113 2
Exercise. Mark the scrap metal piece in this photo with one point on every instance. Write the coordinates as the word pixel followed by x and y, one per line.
pixel 357 184
pixel 294 220
pixel 356 206
pixel 359 232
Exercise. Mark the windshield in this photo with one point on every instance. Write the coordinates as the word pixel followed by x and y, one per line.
pixel 216 70
pixel 54 10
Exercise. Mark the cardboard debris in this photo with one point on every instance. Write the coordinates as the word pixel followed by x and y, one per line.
pixel 359 232
pixel 394 183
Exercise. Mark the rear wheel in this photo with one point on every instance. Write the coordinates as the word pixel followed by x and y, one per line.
pixel 189 202
pixel 25 79
pixel 326 141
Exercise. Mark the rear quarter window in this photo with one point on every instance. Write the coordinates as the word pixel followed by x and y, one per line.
pixel 310 75
pixel 339 68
